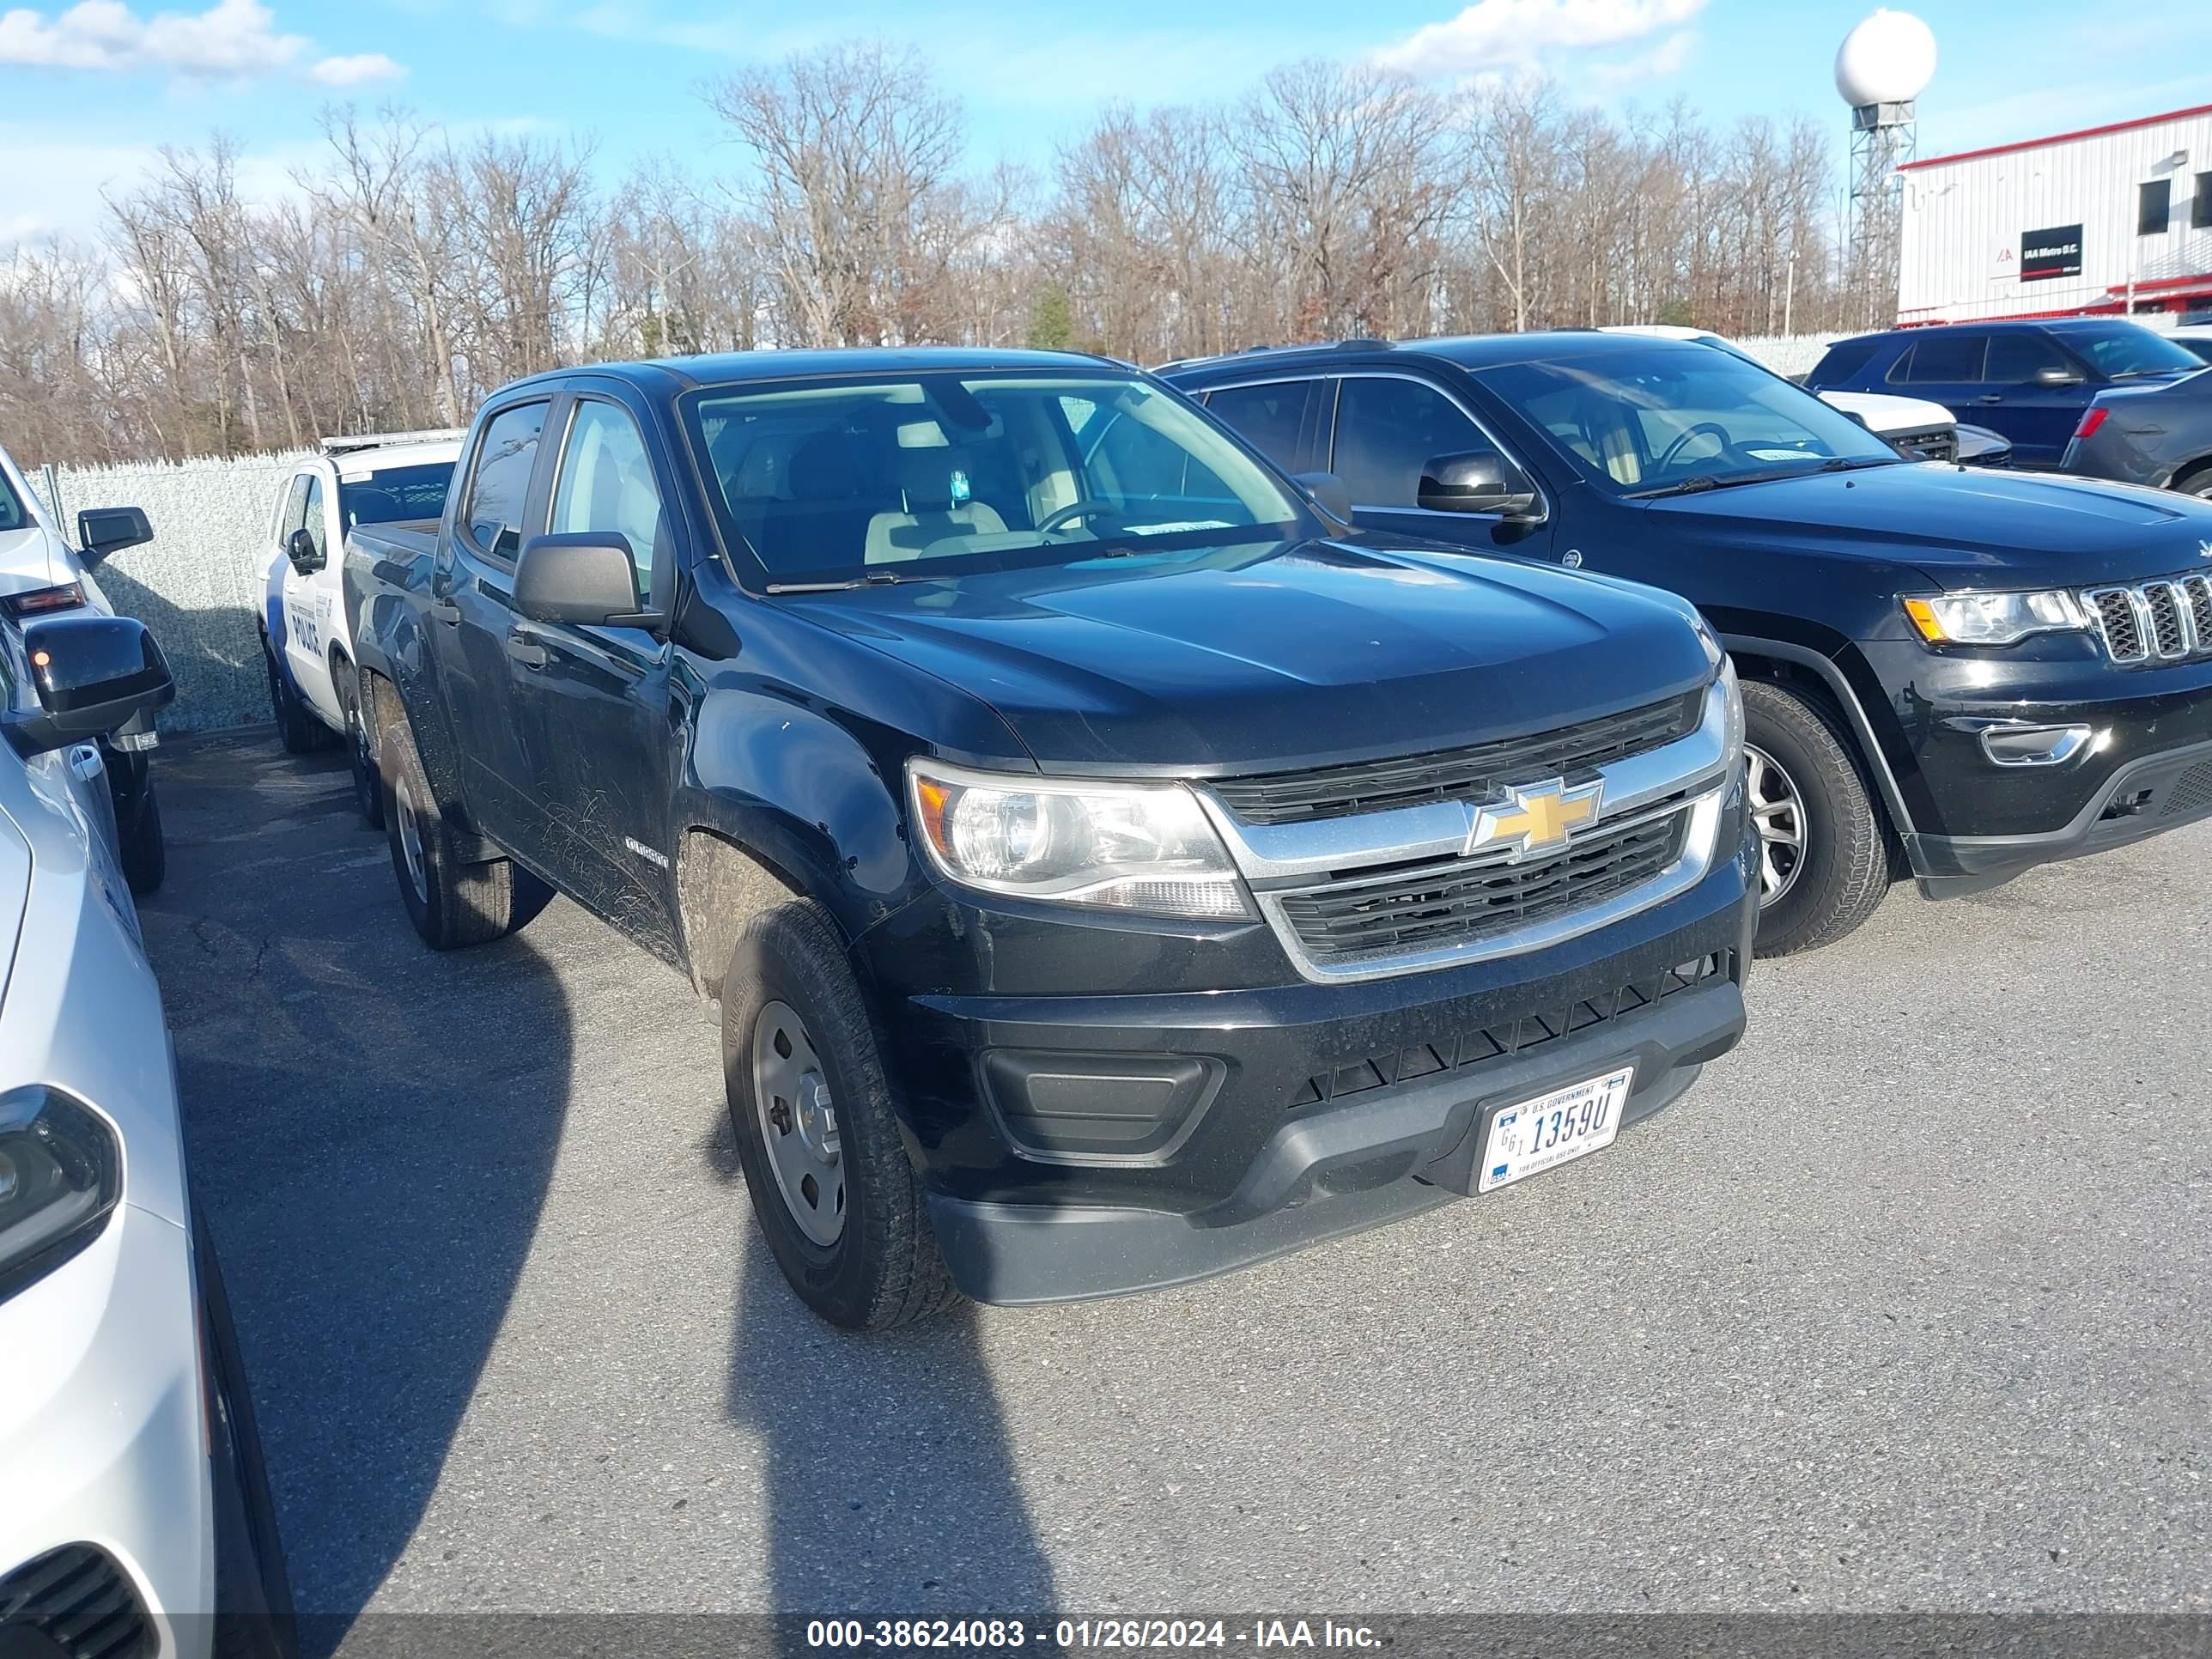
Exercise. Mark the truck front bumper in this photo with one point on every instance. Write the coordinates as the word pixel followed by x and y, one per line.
pixel 1374 1157
pixel 1082 1146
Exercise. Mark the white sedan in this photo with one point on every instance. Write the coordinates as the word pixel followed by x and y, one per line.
pixel 135 1517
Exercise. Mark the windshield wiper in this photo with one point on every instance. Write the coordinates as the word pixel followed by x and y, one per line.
pixel 1693 484
pixel 873 579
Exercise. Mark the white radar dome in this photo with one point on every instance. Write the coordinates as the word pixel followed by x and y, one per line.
pixel 1888 60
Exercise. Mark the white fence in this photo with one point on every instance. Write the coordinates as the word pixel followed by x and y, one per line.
pixel 196 583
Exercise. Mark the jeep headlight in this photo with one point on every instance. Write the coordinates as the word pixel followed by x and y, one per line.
pixel 1994 618
pixel 1141 848
pixel 61 1174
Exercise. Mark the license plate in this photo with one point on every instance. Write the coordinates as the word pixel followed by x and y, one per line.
pixel 1557 1128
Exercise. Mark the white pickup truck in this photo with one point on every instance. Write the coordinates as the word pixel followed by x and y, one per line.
pixel 307 638
pixel 40 575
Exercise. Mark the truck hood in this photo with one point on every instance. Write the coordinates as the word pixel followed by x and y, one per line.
pixel 1885 413
pixel 34 557
pixel 1234 659
pixel 1963 527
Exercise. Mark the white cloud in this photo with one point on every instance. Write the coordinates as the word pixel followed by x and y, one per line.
pixel 355 70
pixel 1499 37
pixel 231 40
pixel 1670 56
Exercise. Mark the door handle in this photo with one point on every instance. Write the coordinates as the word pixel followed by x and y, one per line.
pixel 441 611
pixel 1991 397
pixel 526 651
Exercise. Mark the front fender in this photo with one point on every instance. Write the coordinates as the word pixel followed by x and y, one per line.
pixel 815 800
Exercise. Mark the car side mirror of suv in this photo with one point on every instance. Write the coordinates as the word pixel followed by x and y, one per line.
pixel 586 577
pixel 1478 481
pixel 94 675
pixel 2057 376
pixel 300 548
pixel 101 531
pixel 1329 490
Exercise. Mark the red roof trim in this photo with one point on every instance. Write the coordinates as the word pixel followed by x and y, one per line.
pixel 2056 138
pixel 2157 284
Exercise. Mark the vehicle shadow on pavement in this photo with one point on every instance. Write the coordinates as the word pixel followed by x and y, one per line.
pixel 373 1195
pixel 889 1486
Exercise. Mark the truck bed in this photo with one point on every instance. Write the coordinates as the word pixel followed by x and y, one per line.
pixel 403 538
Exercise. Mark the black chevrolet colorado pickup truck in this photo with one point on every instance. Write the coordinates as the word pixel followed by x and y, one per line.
pixel 1949 673
pixel 1111 868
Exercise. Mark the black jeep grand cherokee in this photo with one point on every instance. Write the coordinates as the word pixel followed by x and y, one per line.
pixel 1949 673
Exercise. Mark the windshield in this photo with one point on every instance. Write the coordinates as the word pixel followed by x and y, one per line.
pixel 2125 348
pixel 938 474
pixel 395 494
pixel 1645 419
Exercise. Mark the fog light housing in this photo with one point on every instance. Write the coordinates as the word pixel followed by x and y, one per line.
pixel 2033 745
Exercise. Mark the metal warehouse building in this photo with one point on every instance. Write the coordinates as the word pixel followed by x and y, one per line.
pixel 2114 219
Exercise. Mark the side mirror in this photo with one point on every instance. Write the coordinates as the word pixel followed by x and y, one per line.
pixel 2057 377
pixel 101 531
pixel 585 576
pixel 300 548
pixel 1478 481
pixel 94 675
pixel 1329 490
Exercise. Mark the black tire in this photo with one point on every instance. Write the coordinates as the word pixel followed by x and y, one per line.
pixel 1845 858
pixel 368 787
pixel 453 903
pixel 2195 482
pixel 297 728
pixel 254 1615
pixel 884 1268
pixel 145 853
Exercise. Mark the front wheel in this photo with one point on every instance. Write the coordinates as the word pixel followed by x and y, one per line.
pixel 836 1196
pixel 1823 864
pixel 145 854
pixel 254 1609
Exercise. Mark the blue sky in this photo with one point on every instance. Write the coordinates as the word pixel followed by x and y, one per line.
pixel 88 92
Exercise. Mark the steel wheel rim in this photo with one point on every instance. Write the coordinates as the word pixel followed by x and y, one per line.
pixel 1778 810
pixel 411 839
pixel 799 1123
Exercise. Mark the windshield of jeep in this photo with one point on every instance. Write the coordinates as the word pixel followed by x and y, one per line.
pixel 940 474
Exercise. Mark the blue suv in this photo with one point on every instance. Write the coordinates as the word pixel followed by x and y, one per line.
pixel 2030 381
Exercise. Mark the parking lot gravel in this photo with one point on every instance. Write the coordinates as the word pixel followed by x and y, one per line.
pixel 1904 1307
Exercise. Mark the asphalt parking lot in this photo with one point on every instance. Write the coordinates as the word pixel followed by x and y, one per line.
pixel 1907 1306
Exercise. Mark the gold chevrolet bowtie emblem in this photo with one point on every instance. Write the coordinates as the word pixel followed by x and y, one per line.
pixel 1537 819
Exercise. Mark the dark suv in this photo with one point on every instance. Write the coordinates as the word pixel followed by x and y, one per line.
pixel 1950 672
pixel 2029 381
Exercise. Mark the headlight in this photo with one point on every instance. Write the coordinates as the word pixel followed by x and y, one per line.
pixel 1732 712
pixel 1714 653
pixel 1144 847
pixel 61 1173
pixel 1993 618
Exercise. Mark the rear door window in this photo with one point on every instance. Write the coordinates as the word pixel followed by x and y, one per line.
pixel 499 483
pixel 1841 361
pixel 1944 357
pixel 1268 417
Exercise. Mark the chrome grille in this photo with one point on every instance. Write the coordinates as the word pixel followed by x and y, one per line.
pixel 2163 621
pixel 1469 774
pixel 1935 443
pixel 1456 901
